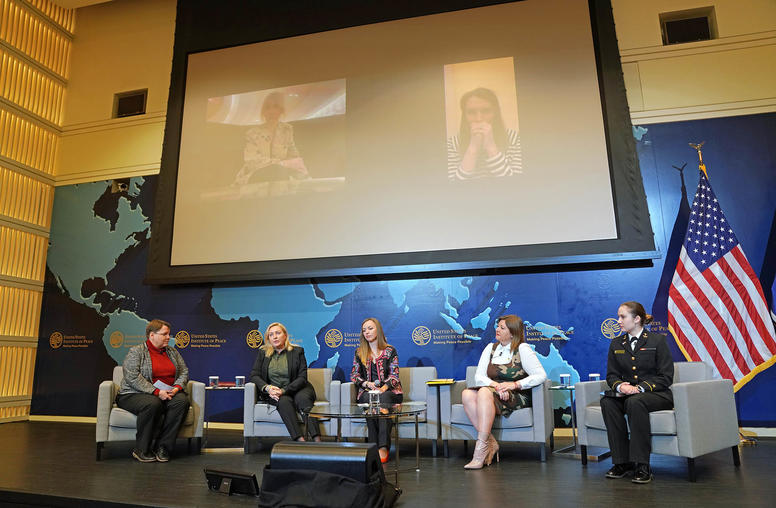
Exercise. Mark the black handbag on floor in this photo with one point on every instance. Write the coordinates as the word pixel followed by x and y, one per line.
pixel 309 488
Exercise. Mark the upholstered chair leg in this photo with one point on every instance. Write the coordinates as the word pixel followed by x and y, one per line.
pixel 251 444
pixel 552 442
pixel 446 447
pixel 433 447
pixel 736 456
pixel 199 445
pixel 99 451
pixel 691 469
pixel 542 452
pixel 583 453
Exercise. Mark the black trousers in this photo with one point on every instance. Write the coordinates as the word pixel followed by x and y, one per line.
pixel 637 407
pixel 378 430
pixel 157 419
pixel 289 407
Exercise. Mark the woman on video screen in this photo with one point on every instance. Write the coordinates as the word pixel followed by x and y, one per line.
pixel 270 153
pixel 483 146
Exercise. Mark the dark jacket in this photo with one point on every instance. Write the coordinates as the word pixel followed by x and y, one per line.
pixel 297 371
pixel 650 366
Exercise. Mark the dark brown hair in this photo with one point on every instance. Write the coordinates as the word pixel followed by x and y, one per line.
pixel 636 309
pixel 499 131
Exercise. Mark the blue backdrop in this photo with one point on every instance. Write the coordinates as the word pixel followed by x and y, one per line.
pixel 95 299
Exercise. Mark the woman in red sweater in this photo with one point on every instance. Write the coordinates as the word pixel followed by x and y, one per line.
pixel 152 389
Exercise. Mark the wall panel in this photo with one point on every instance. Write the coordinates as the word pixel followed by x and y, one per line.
pixel 24 198
pixel 35 41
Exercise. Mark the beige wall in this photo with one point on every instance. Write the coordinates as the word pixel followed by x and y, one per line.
pixel 127 44
pixel 734 74
pixel 118 46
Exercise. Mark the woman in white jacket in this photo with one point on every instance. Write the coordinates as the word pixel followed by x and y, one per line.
pixel 507 370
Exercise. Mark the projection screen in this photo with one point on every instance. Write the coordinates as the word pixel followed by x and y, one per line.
pixel 470 138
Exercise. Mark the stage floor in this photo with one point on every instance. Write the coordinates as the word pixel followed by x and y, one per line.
pixel 53 464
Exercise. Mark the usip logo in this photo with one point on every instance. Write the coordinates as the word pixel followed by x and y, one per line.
pixel 421 335
pixel 610 328
pixel 182 339
pixel 254 339
pixel 56 340
pixel 333 338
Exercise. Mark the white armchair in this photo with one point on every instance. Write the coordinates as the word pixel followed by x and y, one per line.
pixel 262 420
pixel 703 420
pixel 116 424
pixel 531 424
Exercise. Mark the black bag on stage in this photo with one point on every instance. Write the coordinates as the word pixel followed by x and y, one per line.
pixel 310 488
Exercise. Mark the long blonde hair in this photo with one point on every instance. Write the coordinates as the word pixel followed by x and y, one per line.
pixel 267 347
pixel 364 352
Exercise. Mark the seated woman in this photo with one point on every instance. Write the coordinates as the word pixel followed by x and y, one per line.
pixel 270 151
pixel 160 410
pixel 483 147
pixel 640 368
pixel 506 372
pixel 376 367
pixel 280 374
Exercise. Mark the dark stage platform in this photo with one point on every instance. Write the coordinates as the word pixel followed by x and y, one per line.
pixel 52 464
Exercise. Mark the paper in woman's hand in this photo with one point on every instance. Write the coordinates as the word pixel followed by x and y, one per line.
pixel 162 386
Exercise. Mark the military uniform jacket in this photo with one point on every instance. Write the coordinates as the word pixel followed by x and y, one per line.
pixel 649 366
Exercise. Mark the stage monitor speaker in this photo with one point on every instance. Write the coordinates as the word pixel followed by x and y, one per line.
pixel 232 482
pixel 358 461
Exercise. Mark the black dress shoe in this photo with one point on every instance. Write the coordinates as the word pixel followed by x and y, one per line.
pixel 143 456
pixel 643 474
pixel 162 455
pixel 619 470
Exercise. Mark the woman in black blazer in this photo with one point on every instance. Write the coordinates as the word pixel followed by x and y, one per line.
pixel 280 375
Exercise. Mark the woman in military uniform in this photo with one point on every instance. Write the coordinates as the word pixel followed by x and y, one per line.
pixel 639 371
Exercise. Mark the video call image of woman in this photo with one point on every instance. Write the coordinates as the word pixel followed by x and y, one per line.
pixel 270 153
pixel 483 147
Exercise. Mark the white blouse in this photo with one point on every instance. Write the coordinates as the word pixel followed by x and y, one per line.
pixel 502 355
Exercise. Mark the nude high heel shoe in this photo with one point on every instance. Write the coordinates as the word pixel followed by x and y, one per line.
pixel 480 454
pixel 492 450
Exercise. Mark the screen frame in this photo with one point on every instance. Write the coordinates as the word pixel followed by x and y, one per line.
pixel 201 27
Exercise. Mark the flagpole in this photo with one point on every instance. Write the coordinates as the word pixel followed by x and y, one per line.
pixel 701 165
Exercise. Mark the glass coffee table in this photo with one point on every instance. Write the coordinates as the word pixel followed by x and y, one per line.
pixel 391 411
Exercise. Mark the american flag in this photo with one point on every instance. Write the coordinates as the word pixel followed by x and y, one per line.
pixel 717 311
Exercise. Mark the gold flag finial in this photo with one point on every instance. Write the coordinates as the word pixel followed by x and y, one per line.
pixel 701 165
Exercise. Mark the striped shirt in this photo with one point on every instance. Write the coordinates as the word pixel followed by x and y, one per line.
pixel 502 164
